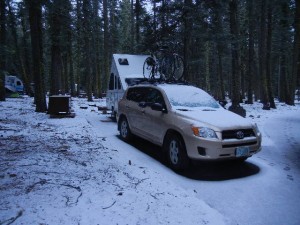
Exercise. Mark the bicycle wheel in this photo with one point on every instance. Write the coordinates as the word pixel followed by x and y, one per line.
pixel 178 67
pixel 172 67
pixel 149 68
pixel 166 67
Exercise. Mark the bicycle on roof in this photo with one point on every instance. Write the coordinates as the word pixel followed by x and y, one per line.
pixel 164 65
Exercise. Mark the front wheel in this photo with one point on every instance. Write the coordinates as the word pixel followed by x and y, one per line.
pixel 176 152
pixel 125 132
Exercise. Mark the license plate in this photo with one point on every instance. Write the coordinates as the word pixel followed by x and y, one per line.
pixel 242 151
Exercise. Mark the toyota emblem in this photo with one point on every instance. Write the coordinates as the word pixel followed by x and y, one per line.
pixel 240 134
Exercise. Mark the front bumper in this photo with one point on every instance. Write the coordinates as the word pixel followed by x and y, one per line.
pixel 216 149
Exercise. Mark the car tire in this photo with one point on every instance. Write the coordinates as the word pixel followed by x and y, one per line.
pixel 175 150
pixel 125 132
pixel 240 160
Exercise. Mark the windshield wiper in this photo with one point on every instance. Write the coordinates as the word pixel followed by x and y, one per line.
pixel 184 110
pixel 208 110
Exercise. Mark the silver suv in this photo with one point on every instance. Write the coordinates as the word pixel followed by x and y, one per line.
pixel 187 122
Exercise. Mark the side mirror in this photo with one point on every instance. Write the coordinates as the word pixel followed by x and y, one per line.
pixel 223 103
pixel 158 107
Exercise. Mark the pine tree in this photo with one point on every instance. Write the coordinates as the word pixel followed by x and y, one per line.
pixel 35 19
pixel 235 54
pixel 2 49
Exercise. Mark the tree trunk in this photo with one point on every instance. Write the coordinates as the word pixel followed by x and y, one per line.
pixel 35 17
pixel 284 29
pixel 262 52
pixel 251 52
pixel 55 37
pixel 296 51
pixel 207 66
pixel 236 65
pixel 137 21
pixel 96 49
pixel 220 46
pixel 132 48
pixel 105 45
pixel 187 38
pixel 87 28
pixel 268 57
pixel 25 60
pixel 2 49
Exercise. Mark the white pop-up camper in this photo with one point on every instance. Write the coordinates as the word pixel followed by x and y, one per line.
pixel 125 71
pixel 14 84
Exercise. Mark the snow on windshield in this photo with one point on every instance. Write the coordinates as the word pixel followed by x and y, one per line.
pixel 189 96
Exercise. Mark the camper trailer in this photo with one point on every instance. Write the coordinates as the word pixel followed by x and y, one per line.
pixel 125 71
pixel 14 84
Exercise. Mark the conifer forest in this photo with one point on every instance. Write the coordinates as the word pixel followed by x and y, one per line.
pixel 247 50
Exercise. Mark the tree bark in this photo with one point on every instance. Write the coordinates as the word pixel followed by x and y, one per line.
pixel 296 51
pixel 262 52
pixel 105 45
pixel 2 49
pixel 236 65
pixel 268 57
pixel 187 38
pixel 26 69
pixel 35 16
pixel 137 21
pixel 251 52
pixel 87 28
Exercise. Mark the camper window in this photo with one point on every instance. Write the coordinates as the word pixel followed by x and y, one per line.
pixel 119 84
pixel 111 81
pixel 123 61
pixel 116 82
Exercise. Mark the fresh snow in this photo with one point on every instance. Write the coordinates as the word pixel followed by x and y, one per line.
pixel 78 171
pixel 134 69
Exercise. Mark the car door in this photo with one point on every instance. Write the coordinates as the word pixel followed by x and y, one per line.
pixel 134 112
pixel 154 122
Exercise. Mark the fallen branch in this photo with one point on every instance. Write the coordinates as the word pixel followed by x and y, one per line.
pixel 110 205
pixel 140 181
pixel 31 187
pixel 13 219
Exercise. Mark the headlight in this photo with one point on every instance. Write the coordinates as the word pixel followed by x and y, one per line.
pixel 256 129
pixel 204 132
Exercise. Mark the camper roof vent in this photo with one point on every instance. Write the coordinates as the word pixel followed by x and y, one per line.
pixel 123 61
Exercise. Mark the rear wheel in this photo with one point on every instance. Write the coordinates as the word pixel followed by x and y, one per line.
pixel 125 132
pixel 176 152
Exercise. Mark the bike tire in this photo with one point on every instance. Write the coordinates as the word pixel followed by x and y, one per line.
pixel 178 70
pixel 172 67
pixel 149 67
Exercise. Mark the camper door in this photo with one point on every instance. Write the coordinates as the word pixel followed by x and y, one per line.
pixel 114 93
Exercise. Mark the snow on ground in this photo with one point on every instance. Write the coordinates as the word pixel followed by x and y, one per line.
pixel 60 171
pixel 77 171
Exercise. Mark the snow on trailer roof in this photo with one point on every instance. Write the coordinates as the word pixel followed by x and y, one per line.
pixel 129 66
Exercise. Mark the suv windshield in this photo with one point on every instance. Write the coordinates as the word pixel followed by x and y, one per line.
pixel 189 97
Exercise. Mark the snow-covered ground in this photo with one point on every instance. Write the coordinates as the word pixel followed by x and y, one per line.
pixel 78 171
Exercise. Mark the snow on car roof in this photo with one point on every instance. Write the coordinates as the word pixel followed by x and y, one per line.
pixel 188 96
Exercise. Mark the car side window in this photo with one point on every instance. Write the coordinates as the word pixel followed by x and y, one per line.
pixel 154 96
pixel 137 94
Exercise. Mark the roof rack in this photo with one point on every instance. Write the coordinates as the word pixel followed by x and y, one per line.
pixel 136 81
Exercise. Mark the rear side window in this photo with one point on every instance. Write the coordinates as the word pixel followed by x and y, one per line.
pixel 137 94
